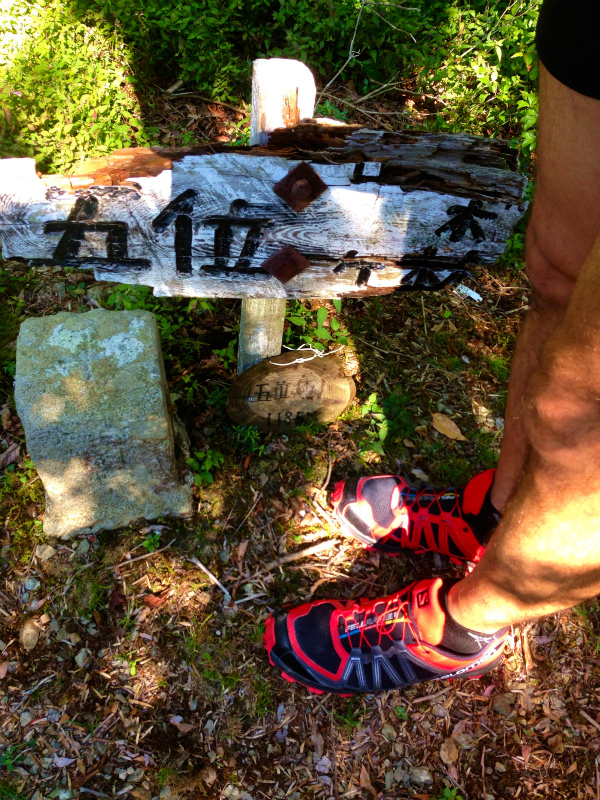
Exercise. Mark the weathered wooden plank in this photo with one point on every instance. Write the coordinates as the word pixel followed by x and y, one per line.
pixel 363 235
pixel 283 92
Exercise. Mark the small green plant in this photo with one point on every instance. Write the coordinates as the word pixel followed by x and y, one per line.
pixel 449 794
pixel 388 421
pixel 11 757
pixel 350 718
pixel 313 331
pixel 9 792
pixel 164 775
pixel 401 713
pixel 227 354
pixel 584 610
pixel 263 696
pixel 240 135
pixel 203 463
pixel 216 396
pixel 328 109
pixel 247 440
pixel 152 541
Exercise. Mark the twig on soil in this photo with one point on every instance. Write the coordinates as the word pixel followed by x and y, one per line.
pixel 308 551
pixel 433 696
pixel 256 499
pixel 32 690
pixel 209 574
pixel 325 483
pixel 141 558
pixel 364 110
pixel 591 720
pixel 115 566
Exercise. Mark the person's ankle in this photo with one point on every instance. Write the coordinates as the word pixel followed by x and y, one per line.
pixel 498 497
pixel 468 612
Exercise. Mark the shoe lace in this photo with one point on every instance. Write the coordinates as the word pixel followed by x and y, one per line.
pixel 396 604
pixel 410 535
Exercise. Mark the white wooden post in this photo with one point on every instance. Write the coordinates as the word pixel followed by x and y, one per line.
pixel 283 93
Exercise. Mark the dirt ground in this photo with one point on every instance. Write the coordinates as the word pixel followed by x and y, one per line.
pixel 124 673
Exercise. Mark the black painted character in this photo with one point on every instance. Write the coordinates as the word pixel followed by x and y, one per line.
pixel 464 217
pixel 80 222
pixel 180 212
pixel 224 229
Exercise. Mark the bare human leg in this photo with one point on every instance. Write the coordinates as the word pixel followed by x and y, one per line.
pixel 564 223
pixel 545 554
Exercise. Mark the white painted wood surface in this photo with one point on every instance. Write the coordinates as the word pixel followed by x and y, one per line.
pixel 351 226
pixel 283 93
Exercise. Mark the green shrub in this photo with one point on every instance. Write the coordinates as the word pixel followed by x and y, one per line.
pixel 66 87
pixel 69 76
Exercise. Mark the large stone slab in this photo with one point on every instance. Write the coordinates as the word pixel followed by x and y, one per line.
pixel 91 393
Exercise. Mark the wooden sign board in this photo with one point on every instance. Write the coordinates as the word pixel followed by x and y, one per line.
pixel 287 390
pixel 371 212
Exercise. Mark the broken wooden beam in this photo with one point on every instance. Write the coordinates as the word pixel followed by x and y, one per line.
pixel 399 211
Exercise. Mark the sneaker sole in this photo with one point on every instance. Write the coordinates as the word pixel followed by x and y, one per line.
pixel 269 643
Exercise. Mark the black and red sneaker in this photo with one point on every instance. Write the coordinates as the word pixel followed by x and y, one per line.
pixel 348 647
pixel 388 514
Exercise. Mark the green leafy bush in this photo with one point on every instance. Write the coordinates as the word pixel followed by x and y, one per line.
pixel 476 57
pixel 66 86
pixel 69 74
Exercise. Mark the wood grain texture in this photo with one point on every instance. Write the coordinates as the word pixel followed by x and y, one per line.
pixel 283 92
pixel 291 389
pixel 366 234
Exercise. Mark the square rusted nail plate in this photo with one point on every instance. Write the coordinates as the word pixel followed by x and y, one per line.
pixel 300 186
pixel 285 264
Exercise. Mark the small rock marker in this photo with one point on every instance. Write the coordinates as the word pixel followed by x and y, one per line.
pixel 91 393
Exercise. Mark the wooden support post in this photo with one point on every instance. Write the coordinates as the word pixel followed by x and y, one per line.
pixel 283 93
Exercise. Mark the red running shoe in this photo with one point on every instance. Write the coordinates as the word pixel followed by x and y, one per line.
pixel 348 647
pixel 386 513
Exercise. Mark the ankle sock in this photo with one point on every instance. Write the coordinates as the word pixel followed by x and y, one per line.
pixel 456 637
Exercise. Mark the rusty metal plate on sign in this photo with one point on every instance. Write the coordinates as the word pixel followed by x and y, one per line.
pixel 286 263
pixel 300 186
pixel 291 389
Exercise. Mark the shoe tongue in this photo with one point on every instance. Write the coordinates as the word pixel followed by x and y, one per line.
pixel 476 491
pixel 428 615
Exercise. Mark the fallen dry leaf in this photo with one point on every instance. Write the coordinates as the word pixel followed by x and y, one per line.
pixel 449 751
pixel 365 782
pixel 556 744
pixel 241 549
pixel 157 599
pixel 29 635
pixel 447 427
pixel 60 761
pixel 420 475
pixel 212 362
pixel 9 456
pixel 3 669
pixel 116 599
pixel 526 753
pixel 182 727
